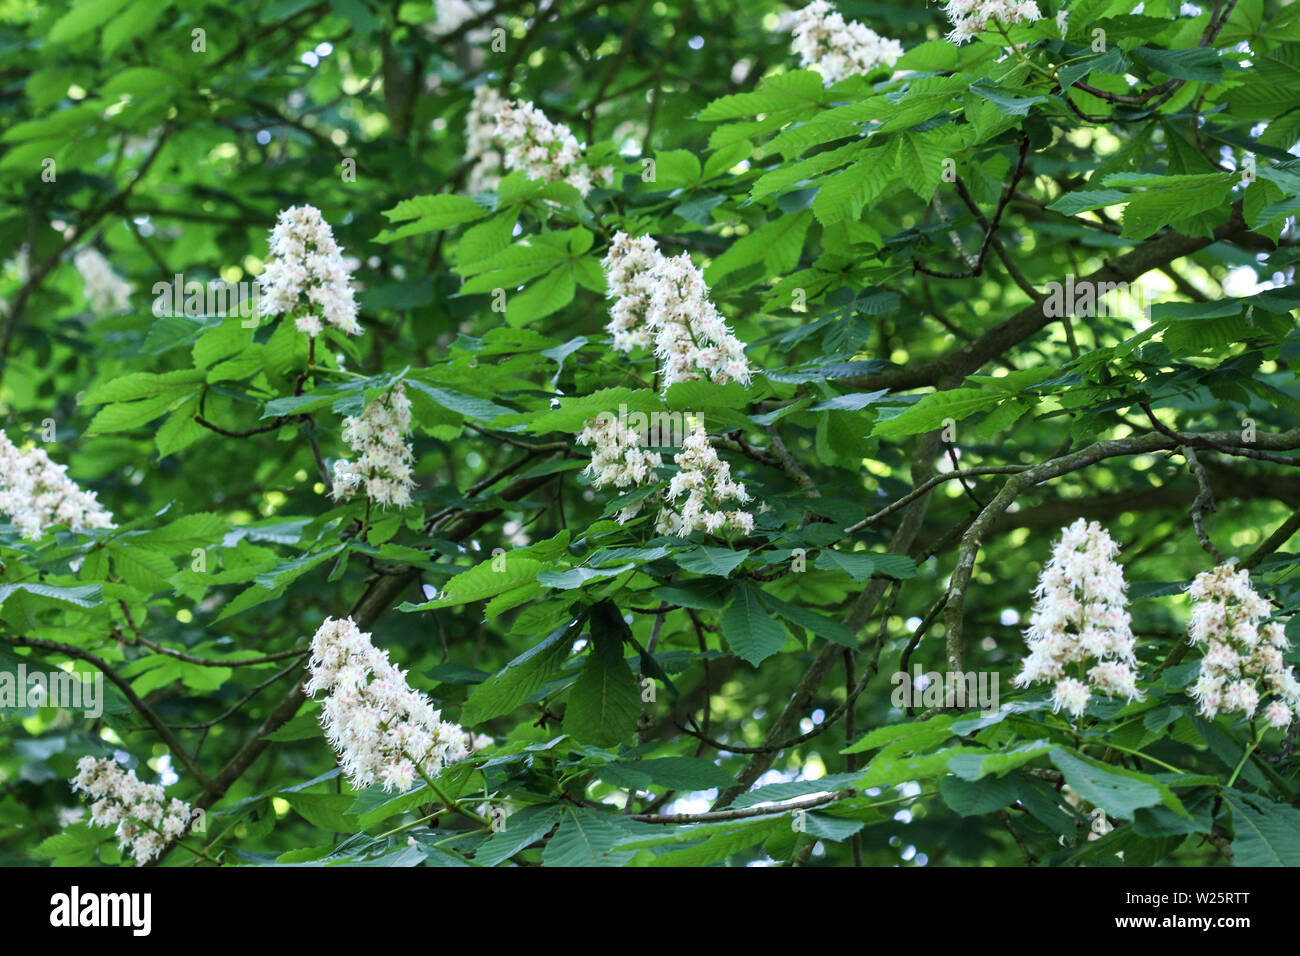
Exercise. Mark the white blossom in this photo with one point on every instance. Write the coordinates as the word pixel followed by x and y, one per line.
pixel 698 492
pixel 144 824
pixel 617 458
pixel 544 150
pixel 1079 615
pixel 105 290
pixel 665 303
pixel 37 494
pixel 480 140
pixel 383 466
pixel 1239 650
pixel 695 498
pixel 837 48
pixel 308 278
pixel 971 17
pixel 383 730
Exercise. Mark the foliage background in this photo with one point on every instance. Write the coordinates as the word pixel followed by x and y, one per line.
pixel 175 161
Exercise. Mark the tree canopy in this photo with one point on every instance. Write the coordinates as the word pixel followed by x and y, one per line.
pixel 649 433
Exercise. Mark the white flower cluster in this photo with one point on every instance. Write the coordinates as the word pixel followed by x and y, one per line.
pixel 971 17
pixel 105 290
pixel 383 467
pixel 617 458
pixel 480 140
pixel 705 483
pixel 664 302
pixel 1079 613
pixel 144 825
pixel 383 730
pixel 545 150
pixel 838 49
pixel 36 494
pixel 1238 649
pixel 308 263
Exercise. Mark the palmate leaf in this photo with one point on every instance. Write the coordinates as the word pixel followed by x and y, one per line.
pixel 430 213
pixel 586 838
pixel 1149 211
pixel 720 842
pixel 842 195
pixel 1118 791
pixel 83 595
pixel 521 828
pixel 792 94
pixel 1265 832
pixel 751 633
pixel 520 679
pixel 605 701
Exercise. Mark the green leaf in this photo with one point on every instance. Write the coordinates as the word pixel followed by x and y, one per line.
pixel 1200 64
pixel 677 167
pixel 605 702
pixel 586 838
pixel 82 18
pixel 137 385
pixel 842 195
pixel 522 828
pixel 1265 832
pixel 721 842
pixel 185 533
pixel 675 773
pixel 329 811
pixel 1084 200
pixel 520 679
pixel 934 409
pixel 430 213
pixel 969 799
pixel 818 624
pixel 493 576
pixel 796 92
pixel 977 766
pixel 548 294
pixel 861 565
pixel 714 561
pixel 751 633
pixel 1118 791
pixel 85 595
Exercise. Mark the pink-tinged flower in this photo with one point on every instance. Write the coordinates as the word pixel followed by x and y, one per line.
pixel 1278 714
pixel 1071 695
